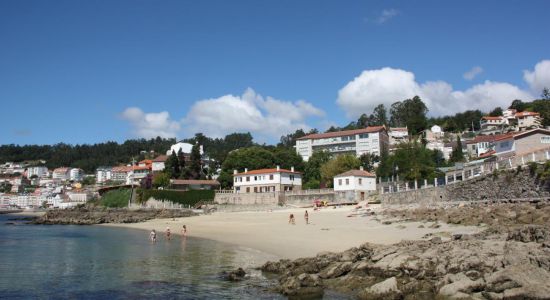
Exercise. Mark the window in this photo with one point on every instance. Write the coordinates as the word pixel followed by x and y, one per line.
pixel 347 181
pixel 360 181
pixel 236 179
pixel 255 189
pixel 364 136
pixel 271 177
pixel 247 178
pixel 248 190
pixel 255 178
pixel 339 181
pixel 291 177
pixel 545 139
pixel 238 188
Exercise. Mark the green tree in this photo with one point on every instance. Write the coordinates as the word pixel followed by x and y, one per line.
pixel 457 155
pixel 312 171
pixel 338 165
pixel 161 180
pixel 88 180
pixel 379 116
pixel 172 166
pixel 410 161
pixel 545 94
pixel 195 164
pixel 368 160
pixel 497 112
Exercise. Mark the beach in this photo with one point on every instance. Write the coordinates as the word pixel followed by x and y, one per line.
pixel 329 230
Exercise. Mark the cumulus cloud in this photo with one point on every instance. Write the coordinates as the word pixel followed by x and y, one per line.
pixel 388 85
pixel 265 117
pixel 539 78
pixel 150 125
pixel 473 73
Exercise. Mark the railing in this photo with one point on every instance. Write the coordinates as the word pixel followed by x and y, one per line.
pixel 468 172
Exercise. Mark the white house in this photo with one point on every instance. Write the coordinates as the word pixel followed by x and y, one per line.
pixel 266 180
pixel 158 163
pixel 482 144
pixel 355 184
pixel 357 142
pixel 527 119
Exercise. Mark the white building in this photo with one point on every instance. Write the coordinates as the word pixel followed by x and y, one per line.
pixel 103 174
pixel 354 184
pixel 76 174
pixel 185 148
pixel 398 135
pixel 158 163
pixel 39 171
pixel 527 120
pixel 358 141
pixel 61 174
pixel 482 144
pixel 266 180
pixel 79 196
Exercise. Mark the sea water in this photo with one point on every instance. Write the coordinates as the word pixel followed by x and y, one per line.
pixel 97 262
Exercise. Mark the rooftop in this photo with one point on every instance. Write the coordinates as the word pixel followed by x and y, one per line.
pixel 361 173
pixel 370 129
pixel 266 171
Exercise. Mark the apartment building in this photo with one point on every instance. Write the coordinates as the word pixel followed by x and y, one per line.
pixel 357 142
pixel 266 180
pixel 61 174
pixel 39 171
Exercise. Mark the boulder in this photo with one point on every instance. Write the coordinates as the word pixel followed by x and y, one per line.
pixel 386 289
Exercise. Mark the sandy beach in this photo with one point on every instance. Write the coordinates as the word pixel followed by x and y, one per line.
pixel 269 232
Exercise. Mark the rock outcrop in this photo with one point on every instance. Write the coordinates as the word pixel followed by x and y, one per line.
pixel 89 216
pixel 509 260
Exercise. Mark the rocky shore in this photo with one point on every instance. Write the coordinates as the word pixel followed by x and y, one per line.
pixel 510 259
pixel 90 216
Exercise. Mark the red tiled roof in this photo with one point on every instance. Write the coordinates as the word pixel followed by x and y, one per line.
pixel 343 133
pixel 266 171
pixel 135 168
pixel 160 158
pixel 356 173
pixel 487 154
pixel 526 114
pixel 486 138
pixel 491 118
pixel 195 182
pixel 121 169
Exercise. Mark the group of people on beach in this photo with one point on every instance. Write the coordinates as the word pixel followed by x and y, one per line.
pixel 167 234
pixel 292 221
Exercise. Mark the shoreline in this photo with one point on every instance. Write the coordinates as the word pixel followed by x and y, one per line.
pixel 330 230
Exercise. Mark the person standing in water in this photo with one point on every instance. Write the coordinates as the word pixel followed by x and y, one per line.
pixel 184 231
pixel 168 233
pixel 153 236
pixel 306 216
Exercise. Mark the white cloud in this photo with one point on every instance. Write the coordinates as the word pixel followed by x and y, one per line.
pixel 473 73
pixel 386 15
pixel 150 125
pixel 388 85
pixel 539 78
pixel 266 118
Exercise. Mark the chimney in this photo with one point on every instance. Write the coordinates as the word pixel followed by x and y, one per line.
pixel 246 170
pixel 292 169
pixel 361 168
pixel 278 168
pixel 234 172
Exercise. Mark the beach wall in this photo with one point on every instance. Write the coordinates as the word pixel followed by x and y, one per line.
pixel 511 184
pixel 248 199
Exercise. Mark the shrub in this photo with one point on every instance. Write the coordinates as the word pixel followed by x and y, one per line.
pixel 191 197
pixel 532 168
pixel 116 198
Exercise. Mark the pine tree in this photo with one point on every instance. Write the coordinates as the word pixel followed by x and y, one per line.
pixel 457 155
pixel 172 167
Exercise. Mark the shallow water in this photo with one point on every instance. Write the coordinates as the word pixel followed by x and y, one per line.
pixel 94 262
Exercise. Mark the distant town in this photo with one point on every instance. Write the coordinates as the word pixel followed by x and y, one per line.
pixel 302 161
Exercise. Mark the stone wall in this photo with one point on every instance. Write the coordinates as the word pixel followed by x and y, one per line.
pixel 248 199
pixel 503 185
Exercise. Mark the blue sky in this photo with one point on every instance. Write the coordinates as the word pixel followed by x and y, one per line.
pixel 93 71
